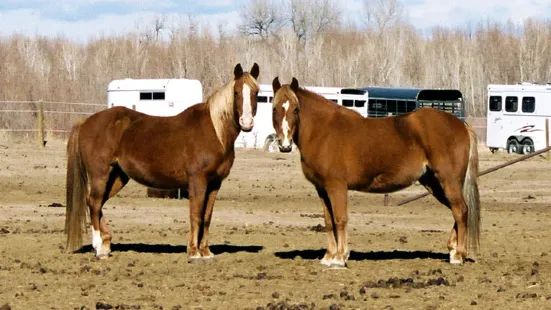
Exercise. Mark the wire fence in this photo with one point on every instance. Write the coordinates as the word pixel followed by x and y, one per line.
pixel 42 119
pixel 54 119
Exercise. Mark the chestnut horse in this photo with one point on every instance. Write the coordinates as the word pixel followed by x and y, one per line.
pixel 340 150
pixel 193 150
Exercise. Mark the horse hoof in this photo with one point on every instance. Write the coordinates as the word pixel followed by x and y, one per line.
pixel 195 260
pixel 334 264
pixel 337 267
pixel 455 259
pixel 102 256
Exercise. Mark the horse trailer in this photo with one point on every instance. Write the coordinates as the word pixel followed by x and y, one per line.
pixel 263 133
pixel 516 117
pixel 158 97
pixel 389 101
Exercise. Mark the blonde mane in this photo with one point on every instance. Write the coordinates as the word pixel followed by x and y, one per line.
pixel 220 105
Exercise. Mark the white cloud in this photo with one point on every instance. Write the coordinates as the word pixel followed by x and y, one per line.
pixel 436 12
pixel 35 24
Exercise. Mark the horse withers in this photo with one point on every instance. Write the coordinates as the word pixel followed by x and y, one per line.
pixel 193 150
pixel 340 150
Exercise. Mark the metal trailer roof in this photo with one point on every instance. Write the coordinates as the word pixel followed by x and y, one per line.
pixel 151 84
pixel 522 87
pixel 407 93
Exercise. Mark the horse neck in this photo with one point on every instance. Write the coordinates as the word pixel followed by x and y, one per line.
pixel 312 118
pixel 220 107
pixel 231 131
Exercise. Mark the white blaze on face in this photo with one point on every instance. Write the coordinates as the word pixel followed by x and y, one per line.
pixel 285 126
pixel 96 239
pixel 247 120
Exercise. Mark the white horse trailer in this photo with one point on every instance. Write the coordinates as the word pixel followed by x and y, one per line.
pixel 516 117
pixel 263 133
pixel 159 97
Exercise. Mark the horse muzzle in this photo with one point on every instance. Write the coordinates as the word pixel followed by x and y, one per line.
pixel 246 124
pixel 285 146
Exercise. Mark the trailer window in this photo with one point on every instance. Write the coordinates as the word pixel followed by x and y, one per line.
pixel 495 103
pixel 348 103
pixel 528 104
pixel 159 96
pixel 152 96
pixel 262 98
pixel 146 96
pixel 359 103
pixel 511 104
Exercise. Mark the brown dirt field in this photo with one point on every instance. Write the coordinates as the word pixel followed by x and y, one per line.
pixel 265 234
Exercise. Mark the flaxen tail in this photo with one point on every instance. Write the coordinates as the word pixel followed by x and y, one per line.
pixel 76 210
pixel 471 194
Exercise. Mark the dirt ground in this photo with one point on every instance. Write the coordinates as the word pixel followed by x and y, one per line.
pixel 267 237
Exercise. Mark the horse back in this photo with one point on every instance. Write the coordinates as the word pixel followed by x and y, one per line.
pixel 100 134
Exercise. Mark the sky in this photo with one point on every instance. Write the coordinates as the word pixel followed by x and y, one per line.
pixel 86 19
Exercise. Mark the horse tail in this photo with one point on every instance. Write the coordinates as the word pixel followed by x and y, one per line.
pixel 76 186
pixel 471 194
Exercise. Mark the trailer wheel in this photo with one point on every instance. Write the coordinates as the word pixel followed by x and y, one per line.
pixel 513 146
pixel 527 146
pixel 270 145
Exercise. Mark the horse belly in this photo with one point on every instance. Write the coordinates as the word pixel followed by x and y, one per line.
pixel 154 173
pixel 391 181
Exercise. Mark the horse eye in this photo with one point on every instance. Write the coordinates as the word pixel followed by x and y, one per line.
pixel 295 111
pixel 235 94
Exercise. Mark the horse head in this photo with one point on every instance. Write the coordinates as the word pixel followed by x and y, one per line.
pixel 245 96
pixel 285 115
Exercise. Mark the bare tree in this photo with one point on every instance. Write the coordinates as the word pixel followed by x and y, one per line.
pixel 310 18
pixel 382 14
pixel 260 18
pixel 159 25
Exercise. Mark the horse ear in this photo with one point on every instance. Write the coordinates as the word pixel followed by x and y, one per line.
pixel 294 84
pixel 255 71
pixel 275 84
pixel 238 71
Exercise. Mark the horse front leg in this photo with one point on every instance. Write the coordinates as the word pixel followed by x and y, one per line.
pixel 197 192
pixel 329 228
pixel 338 196
pixel 209 206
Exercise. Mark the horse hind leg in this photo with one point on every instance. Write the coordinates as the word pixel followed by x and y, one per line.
pixel 432 184
pixel 100 192
pixel 95 203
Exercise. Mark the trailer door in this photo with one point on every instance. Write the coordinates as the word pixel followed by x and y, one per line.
pixel 494 122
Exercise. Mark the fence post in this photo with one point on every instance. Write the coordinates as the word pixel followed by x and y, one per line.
pixel 547 135
pixel 41 123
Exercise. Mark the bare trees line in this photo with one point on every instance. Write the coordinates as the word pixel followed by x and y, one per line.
pixel 308 39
